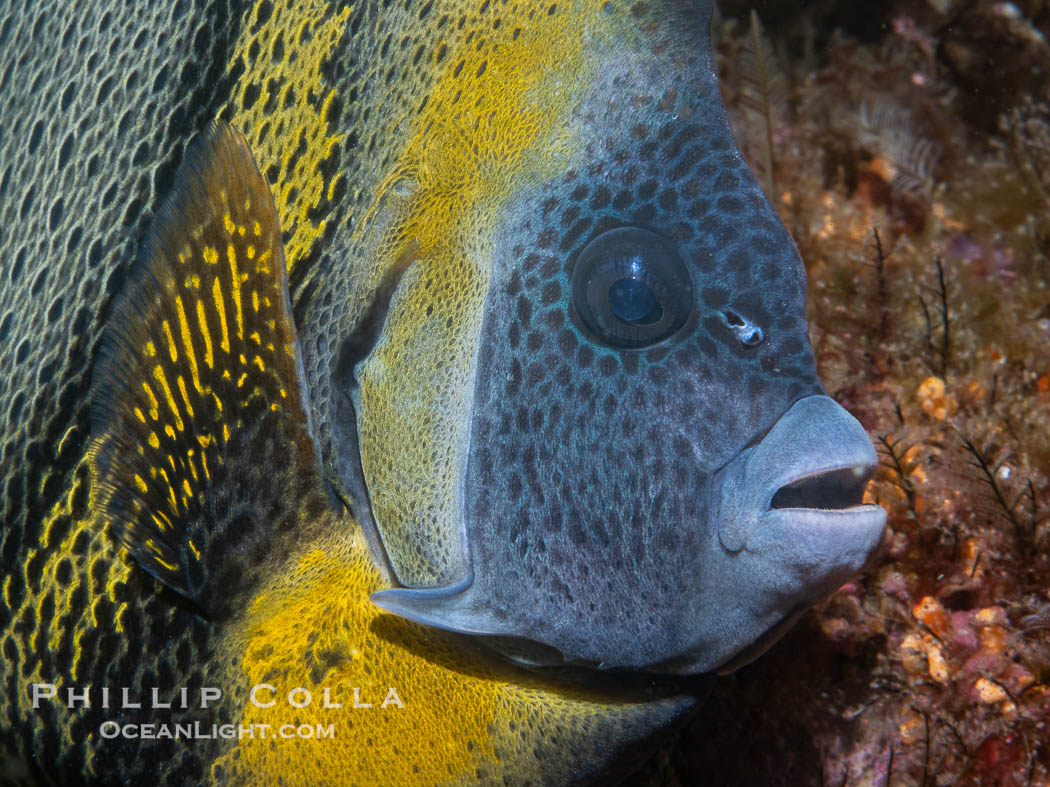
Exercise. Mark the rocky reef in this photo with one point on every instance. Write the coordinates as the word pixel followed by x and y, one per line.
pixel 907 147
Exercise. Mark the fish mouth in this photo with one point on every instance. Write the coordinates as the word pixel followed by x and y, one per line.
pixel 832 489
pixel 825 501
pixel 830 498
pixel 792 522
pixel 804 479
pixel 823 516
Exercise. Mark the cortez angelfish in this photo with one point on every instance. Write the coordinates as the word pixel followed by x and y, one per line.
pixel 541 388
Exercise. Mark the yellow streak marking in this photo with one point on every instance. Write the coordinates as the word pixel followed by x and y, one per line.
pixel 140 414
pixel 202 324
pixel 250 252
pixel 259 362
pixel 171 489
pixel 187 345
pixel 186 486
pixel 227 222
pixel 151 349
pixel 220 307
pixel 163 525
pixel 231 256
pixel 193 548
pixel 154 441
pixel 172 351
pixel 211 255
pixel 153 404
pixel 160 377
pixel 181 382
pixel 255 301
pixel 299 184
pixel 140 482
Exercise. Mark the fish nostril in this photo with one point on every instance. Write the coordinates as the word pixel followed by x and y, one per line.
pixel 754 338
pixel 733 320
pixel 749 334
pixel 830 490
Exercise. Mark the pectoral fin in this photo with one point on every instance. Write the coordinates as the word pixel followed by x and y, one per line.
pixel 203 455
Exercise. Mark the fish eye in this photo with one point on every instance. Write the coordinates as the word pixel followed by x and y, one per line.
pixel 630 288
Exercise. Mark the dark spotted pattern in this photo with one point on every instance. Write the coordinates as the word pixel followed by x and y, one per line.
pixel 588 487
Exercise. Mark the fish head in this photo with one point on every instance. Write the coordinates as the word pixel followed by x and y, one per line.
pixel 590 426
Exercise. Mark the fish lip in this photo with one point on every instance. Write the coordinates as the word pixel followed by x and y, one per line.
pixel 812 467
pixel 818 499
pixel 865 516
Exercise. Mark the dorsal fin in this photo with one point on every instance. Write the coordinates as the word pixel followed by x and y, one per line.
pixel 203 454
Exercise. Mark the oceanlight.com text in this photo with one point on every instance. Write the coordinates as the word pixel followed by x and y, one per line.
pixel 204 731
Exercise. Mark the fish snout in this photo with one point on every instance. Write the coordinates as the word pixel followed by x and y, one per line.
pixel 791 521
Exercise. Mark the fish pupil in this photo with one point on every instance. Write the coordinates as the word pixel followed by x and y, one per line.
pixel 634 301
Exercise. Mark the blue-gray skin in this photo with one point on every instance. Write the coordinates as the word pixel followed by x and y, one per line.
pixel 656 478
